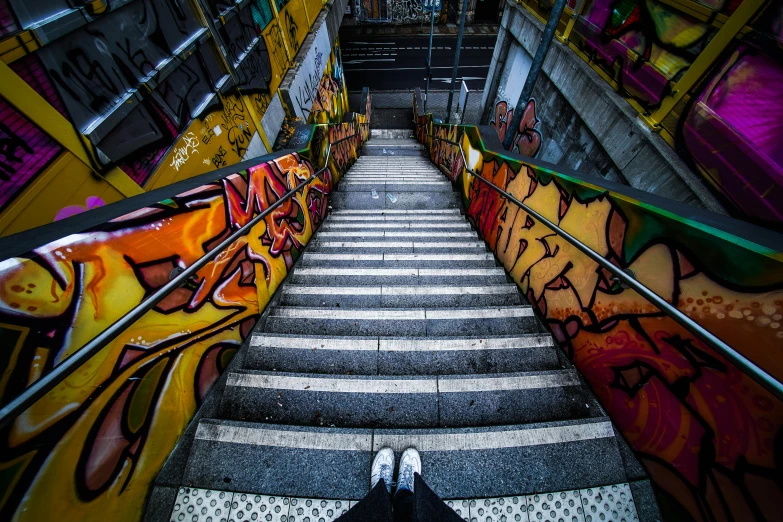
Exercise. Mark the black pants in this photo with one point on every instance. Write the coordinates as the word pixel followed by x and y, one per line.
pixel 422 505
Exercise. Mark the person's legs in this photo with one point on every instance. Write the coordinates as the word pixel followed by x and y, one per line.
pixel 403 506
pixel 414 501
pixel 377 505
pixel 428 506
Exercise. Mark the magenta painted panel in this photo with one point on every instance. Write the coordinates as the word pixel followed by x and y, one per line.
pixel 734 133
pixel 24 152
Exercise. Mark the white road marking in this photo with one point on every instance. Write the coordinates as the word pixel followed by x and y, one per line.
pixel 412 68
pixel 330 384
pixel 352 314
pixel 401 272
pixel 329 226
pixel 517 382
pixel 316 383
pixel 487 440
pixel 400 290
pixel 411 314
pixel 401 345
pixel 462 344
pixel 315 343
pixel 335 235
pixel 367 440
pixel 313 440
pixel 331 290
pixel 398 244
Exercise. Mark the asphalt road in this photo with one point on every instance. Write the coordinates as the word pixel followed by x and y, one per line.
pixel 397 62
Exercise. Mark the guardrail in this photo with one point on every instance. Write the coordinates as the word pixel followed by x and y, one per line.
pixel 757 374
pixel 46 383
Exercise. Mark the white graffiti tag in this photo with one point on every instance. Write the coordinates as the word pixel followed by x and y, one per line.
pixel 182 154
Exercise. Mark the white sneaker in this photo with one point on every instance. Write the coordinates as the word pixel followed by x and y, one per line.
pixel 410 463
pixel 383 468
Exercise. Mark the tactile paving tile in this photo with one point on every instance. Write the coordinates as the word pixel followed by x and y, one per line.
pixel 247 507
pixel 565 506
pixel 502 509
pixel 315 510
pixel 201 505
pixel 461 507
pixel 609 504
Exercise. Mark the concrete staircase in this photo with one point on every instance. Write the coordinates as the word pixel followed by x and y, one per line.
pixel 397 328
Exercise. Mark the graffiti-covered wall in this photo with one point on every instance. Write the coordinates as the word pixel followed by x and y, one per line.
pixel 708 435
pixel 142 93
pixel 395 11
pixel 550 129
pixel 89 449
pixel 715 112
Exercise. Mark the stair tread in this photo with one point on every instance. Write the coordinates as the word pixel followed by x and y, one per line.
pixel 460 462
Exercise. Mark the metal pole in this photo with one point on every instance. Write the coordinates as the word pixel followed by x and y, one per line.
pixel 462 116
pixel 456 58
pixel 429 57
pixel 535 69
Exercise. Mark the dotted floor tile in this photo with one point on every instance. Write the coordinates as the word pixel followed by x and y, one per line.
pixel 201 505
pixel 461 507
pixel 503 509
pixel 563 506
pixel 314 510
pixel 609 504
pixel 259 508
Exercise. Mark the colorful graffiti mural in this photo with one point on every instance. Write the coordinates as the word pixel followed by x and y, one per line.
pixel 714 112
pixel 731 134
pixel 92 446
pixel 708 435
pixel 25 151
pixel 158 95
pixel 527 139
pixel 644 45
pixel 331 98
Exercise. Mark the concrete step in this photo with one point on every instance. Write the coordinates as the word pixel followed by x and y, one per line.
pixel 364 401
pixel 336 217
pixel 394 143
pixel 402 356
pixel 391 133
pixel 505 320
pixel 418 296
pixel 458 462
pixel 393 212
pixel 394 152
pixel 383 259
pixel 435 226
pixel 421 186
pixel 401 199
pixel 393 235
pixel 389 178
pixel 397 247
pixel 356 276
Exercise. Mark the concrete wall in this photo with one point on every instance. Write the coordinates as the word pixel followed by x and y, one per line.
pixel 584 124
pixel 393 109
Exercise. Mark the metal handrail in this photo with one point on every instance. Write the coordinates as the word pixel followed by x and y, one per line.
pixel 767 381
pixel 42 386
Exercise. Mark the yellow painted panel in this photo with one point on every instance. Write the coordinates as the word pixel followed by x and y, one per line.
pixel 67 183
pixel 313 8
pixel 273 37
pixel 219 139
pixel 293 19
